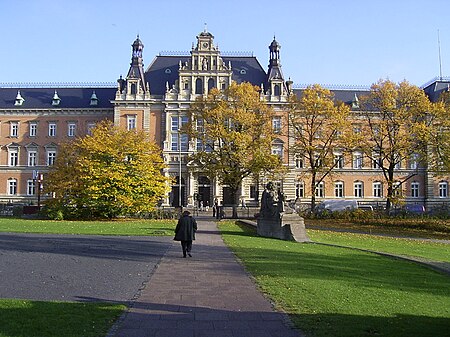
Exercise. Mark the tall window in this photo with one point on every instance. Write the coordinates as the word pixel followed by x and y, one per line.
pixel 71 127
pixel 31 187
pixel 339 189
pixel 414 189
pixel 32 158
pixel 90 127
pixel 12 186
pixel 13 154
pixel 338 160
pixel 276 124
pixel 176 137
pixel 198 86
pixel 358 188
pixel 52 129
pixel 300 190
pixel 320 190
pixel 131 122
pixel 357 160
pixel 14 129
pixel 33 129
pixel 443 189
pixel 414 161
pixel 51 157
pixel 299 161
pixel 377 189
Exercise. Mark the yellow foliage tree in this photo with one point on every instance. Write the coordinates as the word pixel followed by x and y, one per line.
pixel 398 122
pixel 319 126
pixel 234 134
pixel 109 173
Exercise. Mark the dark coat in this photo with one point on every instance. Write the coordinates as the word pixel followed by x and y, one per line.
pixel 186 228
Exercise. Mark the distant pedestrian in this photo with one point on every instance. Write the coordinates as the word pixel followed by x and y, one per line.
pixel 215 207
pixel 185 232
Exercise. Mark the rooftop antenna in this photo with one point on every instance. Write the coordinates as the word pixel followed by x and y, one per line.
pixel 440 60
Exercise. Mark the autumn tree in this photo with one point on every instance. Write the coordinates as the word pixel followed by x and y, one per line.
pixel 319 125
pixel 397 122
pixel 109 173
pixel 233 134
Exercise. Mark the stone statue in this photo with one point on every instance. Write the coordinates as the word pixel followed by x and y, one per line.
pixel 269 203
pixel 275 222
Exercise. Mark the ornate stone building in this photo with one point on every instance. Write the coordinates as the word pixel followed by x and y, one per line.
pixel 35 119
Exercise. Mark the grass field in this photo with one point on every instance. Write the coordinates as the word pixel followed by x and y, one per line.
pixel 118 227
pixel 19 318
pixel 414 248
pixel 339 292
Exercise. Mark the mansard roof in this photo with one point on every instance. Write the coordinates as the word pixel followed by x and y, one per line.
pixel 40 97
pixel 436 87
pixel 165 69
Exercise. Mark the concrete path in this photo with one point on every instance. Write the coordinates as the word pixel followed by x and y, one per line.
pixel 207 295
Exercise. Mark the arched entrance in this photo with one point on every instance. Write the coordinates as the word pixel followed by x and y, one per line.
pixel 204 191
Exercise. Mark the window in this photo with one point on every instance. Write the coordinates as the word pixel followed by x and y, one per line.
pixel 357 128
pixel 33 130
pixel 414 189
pixel 13 156
pixel 443 189
pixel 51 157
pixel 377 189
pixel 320 190
pixel 90 127
pixel 299 161
pixel 131 122
pixel 71 127
pixel 414 162
pixel 52 129
pixel 358 188
pixel 357 160
pixel 32 158
pixel 339 189
pixel 397 189
pixel 398 165
pixel 31 187
pixel 276 124
pixel 12 186
pixel 253 192
pixel 198 86
pixel 14 129
pixel 277 149
pixel 300 190
pixel 338 160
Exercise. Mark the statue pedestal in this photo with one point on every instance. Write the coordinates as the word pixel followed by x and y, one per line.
pixel 290 227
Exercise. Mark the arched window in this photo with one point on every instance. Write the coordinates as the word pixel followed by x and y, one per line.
pixel 133 89
pixel 277 90
pixel 211 84
pixel 199 86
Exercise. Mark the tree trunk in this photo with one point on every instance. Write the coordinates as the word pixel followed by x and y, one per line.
pixel 390 191
pixel 234 191
pixel 313 192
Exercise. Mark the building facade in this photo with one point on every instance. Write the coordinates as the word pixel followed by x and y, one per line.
pixel 36 119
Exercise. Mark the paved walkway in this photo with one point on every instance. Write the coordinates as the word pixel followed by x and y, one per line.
pixel 208 295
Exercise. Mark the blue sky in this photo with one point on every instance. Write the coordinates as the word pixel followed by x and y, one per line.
pixel 346 42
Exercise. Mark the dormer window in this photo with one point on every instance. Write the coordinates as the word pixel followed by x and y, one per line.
pixel 56 100
pixel 19 99
pixel 94 99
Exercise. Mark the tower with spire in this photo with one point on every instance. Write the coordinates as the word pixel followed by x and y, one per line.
pixel 135 80
pixel 276 85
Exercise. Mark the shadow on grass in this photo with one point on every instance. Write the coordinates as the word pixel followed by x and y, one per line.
pixel 56 319
pixel 340 325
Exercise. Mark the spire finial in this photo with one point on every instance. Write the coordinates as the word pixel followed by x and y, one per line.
pixel 206 28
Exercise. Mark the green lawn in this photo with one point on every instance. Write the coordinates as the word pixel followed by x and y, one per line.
pixel 117 227
pixel 20 318
pixel 339 292
pixel 418 248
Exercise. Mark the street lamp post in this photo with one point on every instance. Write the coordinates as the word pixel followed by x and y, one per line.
pixel 179 168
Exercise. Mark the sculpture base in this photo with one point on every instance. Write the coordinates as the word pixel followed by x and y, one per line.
pixel 290 227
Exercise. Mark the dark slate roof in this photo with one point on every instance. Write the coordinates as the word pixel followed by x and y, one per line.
pixel 165 69
pixel 436 88
pixel 342 95
pixel 71 98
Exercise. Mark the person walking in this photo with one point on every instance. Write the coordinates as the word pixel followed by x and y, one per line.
pixel 185 232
